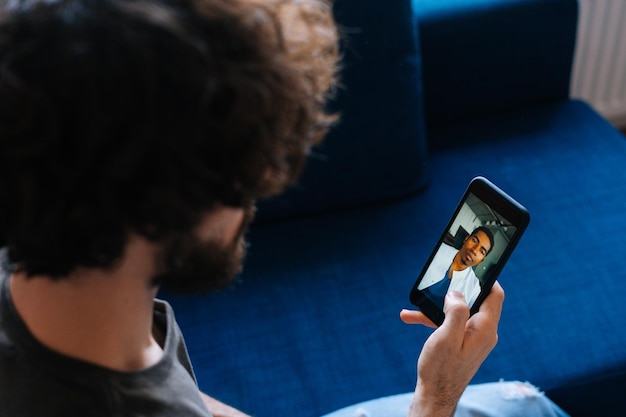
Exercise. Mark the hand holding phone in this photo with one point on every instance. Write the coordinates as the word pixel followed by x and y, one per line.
pixel 480 237
pixel 453 352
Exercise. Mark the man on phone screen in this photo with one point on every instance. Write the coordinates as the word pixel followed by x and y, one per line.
pixel 452 269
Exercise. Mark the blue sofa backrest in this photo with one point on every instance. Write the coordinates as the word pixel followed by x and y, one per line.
pixel 469 50
pixel 377 151
pixel 473 49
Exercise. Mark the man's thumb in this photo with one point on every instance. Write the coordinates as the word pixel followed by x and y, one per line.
pixel 455 309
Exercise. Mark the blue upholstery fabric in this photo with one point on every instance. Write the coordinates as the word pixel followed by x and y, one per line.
pixel 379 102
pixel 484 56
pixel 312 326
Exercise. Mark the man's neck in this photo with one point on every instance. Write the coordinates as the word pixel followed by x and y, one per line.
pixel 101 317
pixel 457 264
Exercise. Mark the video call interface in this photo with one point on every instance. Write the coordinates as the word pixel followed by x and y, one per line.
pixel 468 252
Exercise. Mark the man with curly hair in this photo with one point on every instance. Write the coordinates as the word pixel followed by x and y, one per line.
pixel 135 137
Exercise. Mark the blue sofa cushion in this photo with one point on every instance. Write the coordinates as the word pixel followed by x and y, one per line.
pixel 475 50
pixel 377 151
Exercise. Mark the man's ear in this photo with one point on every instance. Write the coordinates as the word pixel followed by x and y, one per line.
pixel 222 224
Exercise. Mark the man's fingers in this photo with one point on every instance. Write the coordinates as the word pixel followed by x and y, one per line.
pixel 483 326
pixel 455 307
pixel 493 303
pixel 416 317
pixel 488 315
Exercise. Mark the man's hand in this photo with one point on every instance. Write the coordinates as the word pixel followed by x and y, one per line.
pixel 454 352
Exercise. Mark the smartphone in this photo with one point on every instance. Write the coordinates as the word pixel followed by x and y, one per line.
pixel 470 254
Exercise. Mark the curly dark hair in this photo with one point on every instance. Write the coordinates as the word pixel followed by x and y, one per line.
pixel 120 116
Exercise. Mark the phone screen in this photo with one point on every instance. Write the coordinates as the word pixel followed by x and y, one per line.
pixel 482 233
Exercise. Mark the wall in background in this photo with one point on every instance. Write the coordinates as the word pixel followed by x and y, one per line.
pixel 599 72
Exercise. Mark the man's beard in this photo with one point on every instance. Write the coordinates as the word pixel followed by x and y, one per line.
pixel 187 265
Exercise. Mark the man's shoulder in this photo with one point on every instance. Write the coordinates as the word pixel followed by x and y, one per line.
pixel 446 251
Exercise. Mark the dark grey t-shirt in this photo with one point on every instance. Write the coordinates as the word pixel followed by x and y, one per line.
pixel 36 381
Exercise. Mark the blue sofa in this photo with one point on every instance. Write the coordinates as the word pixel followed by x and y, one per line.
pixel 434 92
